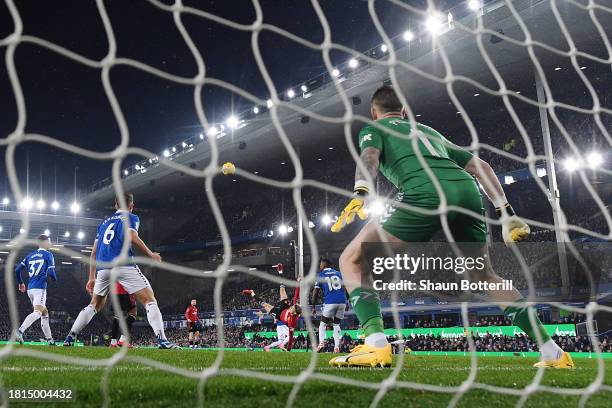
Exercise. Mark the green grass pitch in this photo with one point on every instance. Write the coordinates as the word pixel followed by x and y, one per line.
pixel 133 384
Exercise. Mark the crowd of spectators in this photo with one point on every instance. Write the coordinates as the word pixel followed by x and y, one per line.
pixel 423 322
pixel 67 297
pixel 254 211
pixel 572 318
pixel 482 342
pixel 495 343
pixel 493 320
pixel 259 206
pixel 59 329
pixel 234 337
pixel 484 320
pixel 231 297
pixel 454 321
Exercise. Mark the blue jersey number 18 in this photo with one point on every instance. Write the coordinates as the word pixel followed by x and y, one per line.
pixel 333 282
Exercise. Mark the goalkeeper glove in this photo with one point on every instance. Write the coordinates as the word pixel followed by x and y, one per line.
pixel 354 207
pixel 513 228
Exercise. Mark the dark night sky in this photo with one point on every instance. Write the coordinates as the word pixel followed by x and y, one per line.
pixel 65 99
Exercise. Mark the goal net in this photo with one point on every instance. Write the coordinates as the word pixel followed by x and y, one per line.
pixel 525 85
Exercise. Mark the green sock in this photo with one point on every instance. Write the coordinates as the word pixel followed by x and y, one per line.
pixel 520 317
pixel 366 303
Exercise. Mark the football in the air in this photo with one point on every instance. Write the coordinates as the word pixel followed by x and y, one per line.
pixel 228 168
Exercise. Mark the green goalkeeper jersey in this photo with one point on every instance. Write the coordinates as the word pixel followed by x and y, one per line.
pixel 399 162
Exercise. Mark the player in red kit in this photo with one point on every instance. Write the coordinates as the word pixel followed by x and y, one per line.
pixel 193 324
pixel 286 316
pixel 128 308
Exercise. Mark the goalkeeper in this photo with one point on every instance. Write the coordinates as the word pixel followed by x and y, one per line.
pixel 455 169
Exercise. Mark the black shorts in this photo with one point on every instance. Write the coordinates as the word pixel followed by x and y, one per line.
pixel 279 307
pixel 195 327
pixel 127 302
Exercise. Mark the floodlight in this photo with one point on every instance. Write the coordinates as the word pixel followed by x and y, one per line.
pixel 75 207
pixel 26 204
pixel 474 4
pixel 594 159
pixel 232 121
pixel 433 24
pixel 570 164
pixel 212 131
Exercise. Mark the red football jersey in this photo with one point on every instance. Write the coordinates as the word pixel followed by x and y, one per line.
pixel 289 319
pixel 120 290
pixel 191 314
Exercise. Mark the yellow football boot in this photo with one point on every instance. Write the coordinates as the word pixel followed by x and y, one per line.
pixel 365 356
pixel 564 362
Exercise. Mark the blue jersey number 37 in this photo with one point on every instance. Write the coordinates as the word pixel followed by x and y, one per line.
pixel 35 267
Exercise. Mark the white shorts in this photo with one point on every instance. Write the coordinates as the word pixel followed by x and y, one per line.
pixel 129 277
pixel 38 297
pixel 282 332
pixel 334 311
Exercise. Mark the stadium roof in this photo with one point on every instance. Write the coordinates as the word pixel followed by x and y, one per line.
pixel 256 145
pixel 49 218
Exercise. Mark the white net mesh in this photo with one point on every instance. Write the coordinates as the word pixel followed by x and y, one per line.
pixel 473 27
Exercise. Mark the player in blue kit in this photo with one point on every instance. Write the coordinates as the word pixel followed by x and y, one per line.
pixel 329 282
pixel 40 265
pixel 106 248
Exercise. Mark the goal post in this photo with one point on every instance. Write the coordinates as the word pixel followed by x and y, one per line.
pixel 553 192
